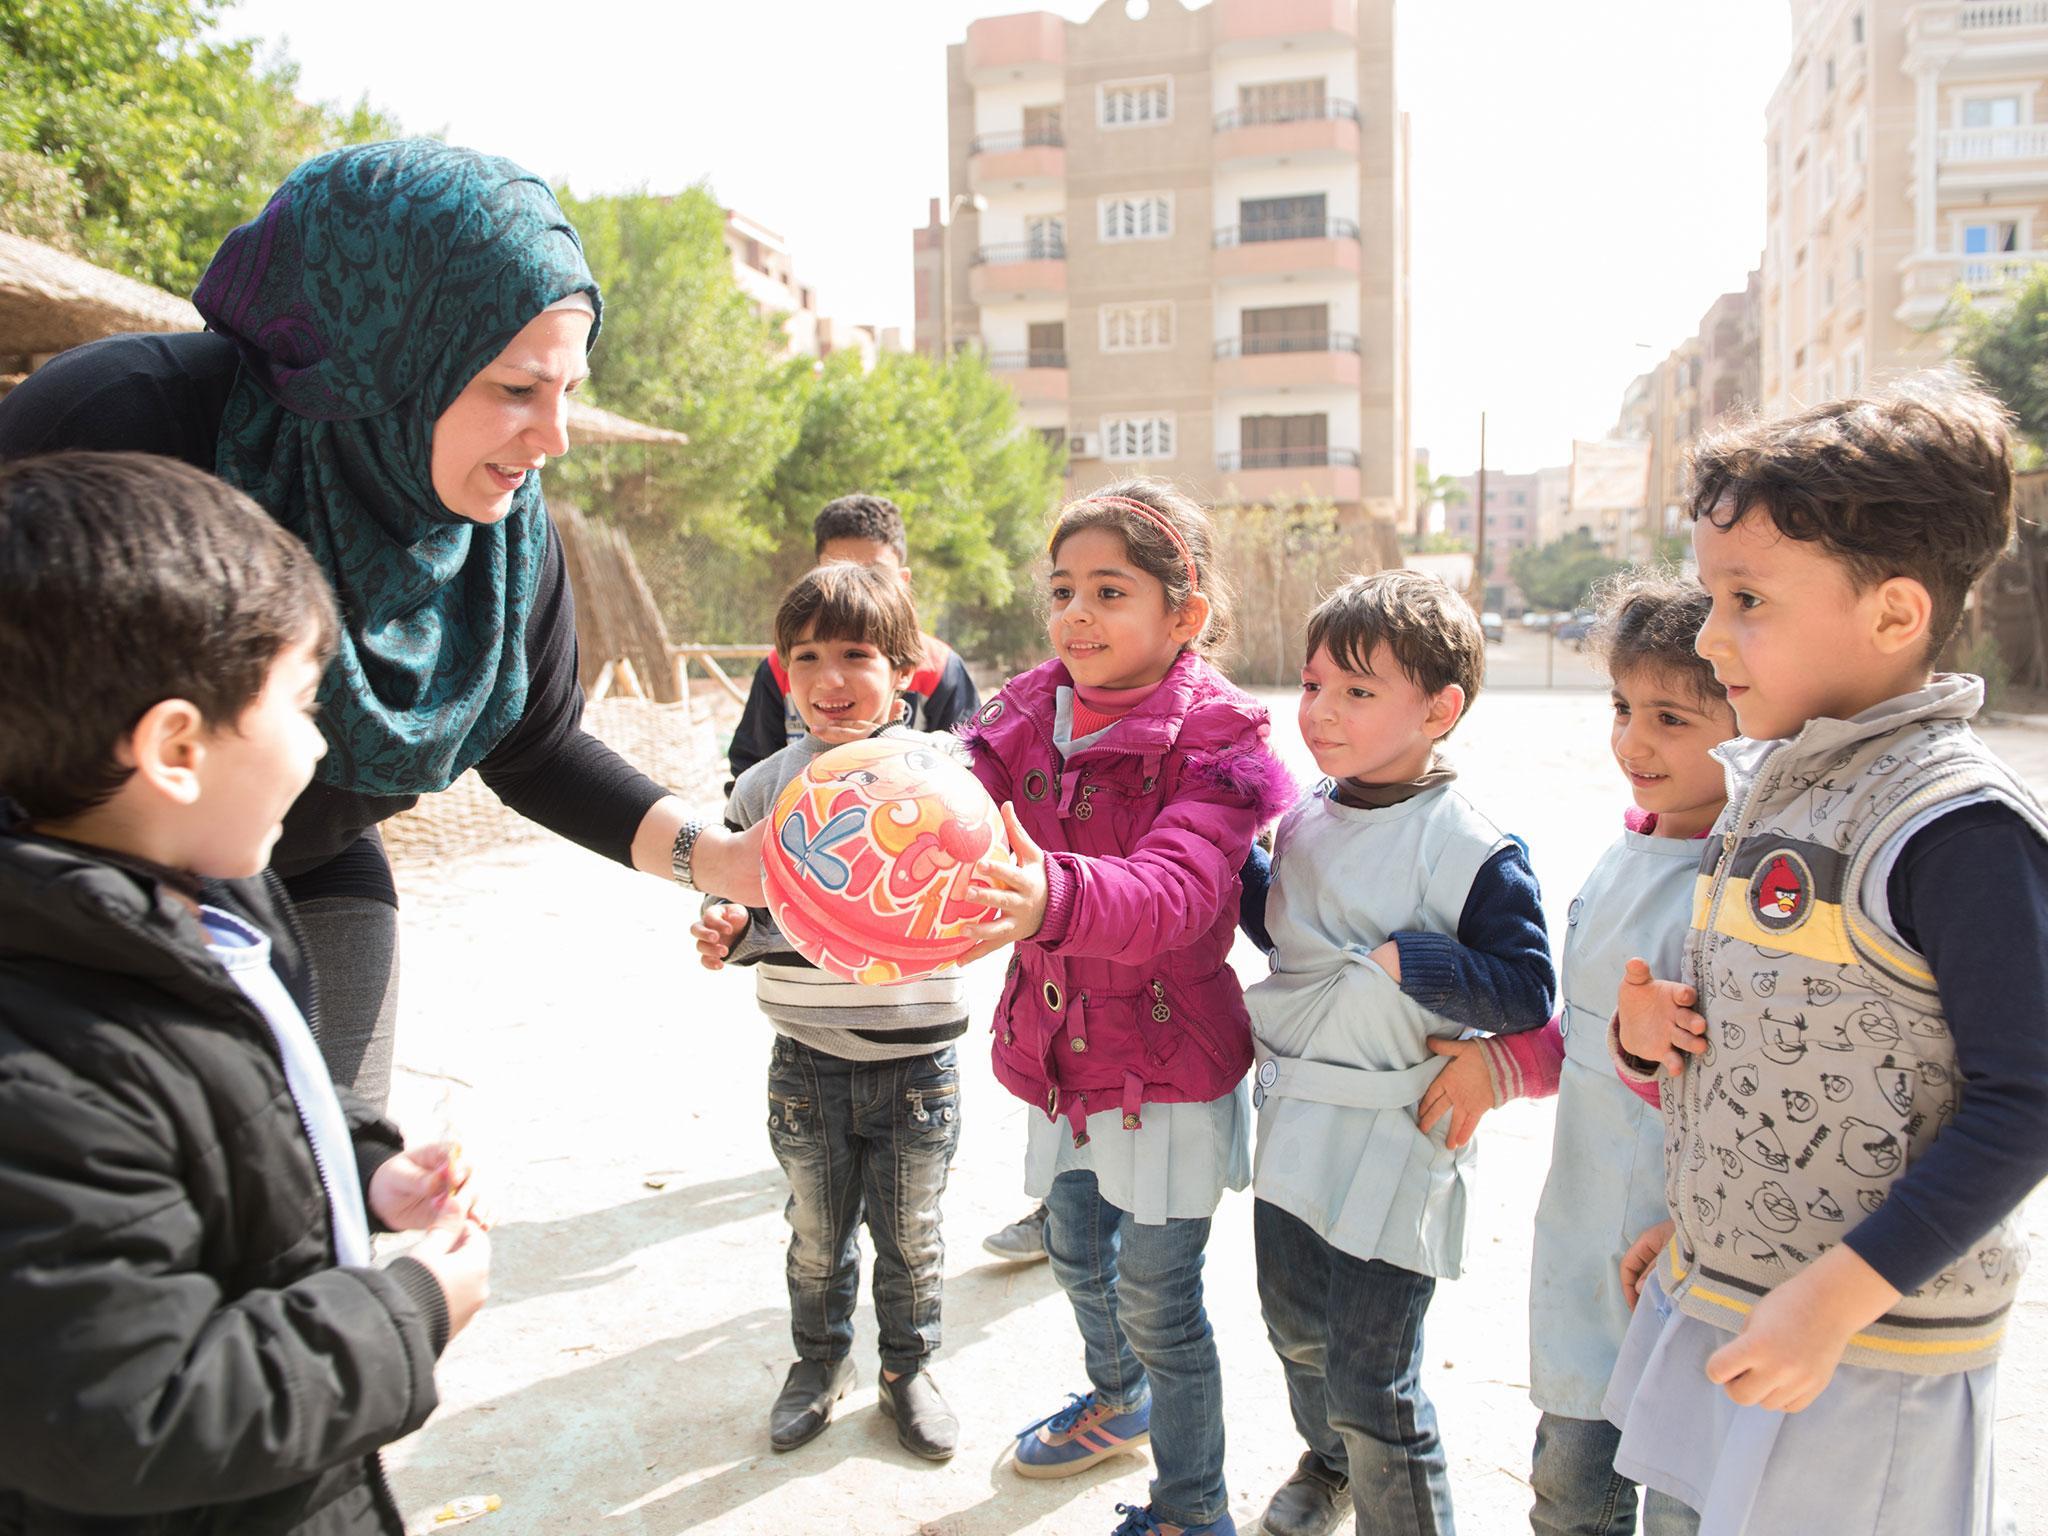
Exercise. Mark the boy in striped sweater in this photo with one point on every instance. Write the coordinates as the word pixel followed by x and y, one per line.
pixel 863 1085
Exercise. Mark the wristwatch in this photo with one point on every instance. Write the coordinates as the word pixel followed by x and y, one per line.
pixel 685 846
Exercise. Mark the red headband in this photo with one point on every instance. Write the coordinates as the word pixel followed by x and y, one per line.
pixel 1160 521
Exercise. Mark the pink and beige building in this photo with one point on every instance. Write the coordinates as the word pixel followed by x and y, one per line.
pixel 1907 151
pixel 1181 238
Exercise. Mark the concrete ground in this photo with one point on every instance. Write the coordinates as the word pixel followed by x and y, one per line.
pixel 619 1381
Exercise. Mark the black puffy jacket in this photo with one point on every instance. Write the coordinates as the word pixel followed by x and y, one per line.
pixel 179 1352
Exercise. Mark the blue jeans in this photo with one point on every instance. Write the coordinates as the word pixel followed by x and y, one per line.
pixel 1578 1492
pixel 1137 1295
pixel 1349 1335
pixel 873 1140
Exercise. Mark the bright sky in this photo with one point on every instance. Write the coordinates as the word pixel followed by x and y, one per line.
pixel 1589 174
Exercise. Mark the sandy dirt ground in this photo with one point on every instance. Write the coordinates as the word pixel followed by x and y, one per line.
pixel 554 1014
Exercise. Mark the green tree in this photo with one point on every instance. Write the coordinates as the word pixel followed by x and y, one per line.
pixel 2007 343
pixel 154 143
pixel 1429 490
pixel 945 445
pixel 1560 574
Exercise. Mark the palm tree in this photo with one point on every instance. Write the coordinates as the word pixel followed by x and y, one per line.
pixel 1429 490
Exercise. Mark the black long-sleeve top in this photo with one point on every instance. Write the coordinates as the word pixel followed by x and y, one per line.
pixel 166 395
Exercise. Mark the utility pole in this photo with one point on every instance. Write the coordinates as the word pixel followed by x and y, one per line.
pixel 1479 528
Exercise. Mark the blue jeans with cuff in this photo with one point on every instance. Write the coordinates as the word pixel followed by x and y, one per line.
pixel 1136 1290
pixel 873 1141
pixel 1349 1335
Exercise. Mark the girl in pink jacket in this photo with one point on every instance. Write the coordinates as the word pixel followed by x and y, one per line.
pixel 1134 777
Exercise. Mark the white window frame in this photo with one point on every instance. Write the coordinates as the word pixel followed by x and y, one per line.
pixel 1827 184
pixel 2021 92
pixel 1825 382
pixel 1149 216
pixel 1858 138
pixel 1037 226
pixel 1125 438
pixel 1852 370
pixel 1153 321
pixel 1146 84
pixel 1856 262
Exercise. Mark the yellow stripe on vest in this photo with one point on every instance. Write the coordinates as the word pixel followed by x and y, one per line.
pixel 1967 1345
pixel 1824 935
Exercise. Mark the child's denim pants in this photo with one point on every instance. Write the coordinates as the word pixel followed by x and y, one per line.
pixel 1137 1296
pixel 864 1140
pixel 1349 1335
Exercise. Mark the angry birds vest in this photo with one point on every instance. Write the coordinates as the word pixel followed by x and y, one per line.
pixel 1829 1067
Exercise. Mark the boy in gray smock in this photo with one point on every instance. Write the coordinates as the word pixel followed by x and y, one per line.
pixel 1397 914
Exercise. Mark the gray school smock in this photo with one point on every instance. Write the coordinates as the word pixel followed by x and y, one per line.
pixel 1342 1052
pixel 1878 1453
pixel 1606 1183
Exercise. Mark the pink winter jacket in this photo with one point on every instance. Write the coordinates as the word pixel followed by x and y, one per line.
pixel 1126 997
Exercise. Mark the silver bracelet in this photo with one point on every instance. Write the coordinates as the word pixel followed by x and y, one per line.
pixel 685 846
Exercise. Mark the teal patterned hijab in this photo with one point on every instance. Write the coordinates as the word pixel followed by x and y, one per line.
pixel 377 282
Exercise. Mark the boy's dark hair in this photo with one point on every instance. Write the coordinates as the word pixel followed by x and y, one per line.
pixel 1916 482
pixel 1429 629
pixel 125 580
pixel 872 519
pixel 1152 551
pixel 1652 619
pixel 858 603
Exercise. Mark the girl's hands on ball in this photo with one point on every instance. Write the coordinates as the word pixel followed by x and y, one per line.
pixel 1016 891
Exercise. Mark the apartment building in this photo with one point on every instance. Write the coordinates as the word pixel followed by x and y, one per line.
pixel 766 273
pixel 1514 521
pixel 1907 151
pixel 1712 374
pixel 1181 237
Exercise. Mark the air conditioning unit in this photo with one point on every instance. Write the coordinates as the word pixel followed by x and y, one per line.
pixel 1085 445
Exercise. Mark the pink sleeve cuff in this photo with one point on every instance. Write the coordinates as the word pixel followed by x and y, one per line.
pixel 1524 1065
pixel 1640 1075
pixel 1059 901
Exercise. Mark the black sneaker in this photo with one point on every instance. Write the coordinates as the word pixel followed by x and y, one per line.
pixel 1021 1242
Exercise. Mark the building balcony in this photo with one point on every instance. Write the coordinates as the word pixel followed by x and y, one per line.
pixel 1028 269
pixel 1249 253
pixel 1002 50
pixel 1249 26
pixel 1326 130
pixel 1929 285
pixel 1035 377
pixel 1285 476
pixel 1987 159
pixel 1318 360
pixel 1977 40
pixel 1014 161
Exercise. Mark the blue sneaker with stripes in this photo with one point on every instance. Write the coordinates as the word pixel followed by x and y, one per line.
pixel 1079 1435
pixel 1142 1522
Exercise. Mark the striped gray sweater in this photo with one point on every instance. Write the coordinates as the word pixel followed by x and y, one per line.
pixel 813 1007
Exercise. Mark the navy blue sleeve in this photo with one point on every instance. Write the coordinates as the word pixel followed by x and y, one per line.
pixel 1496 974
pixel 763 729
pixel 954 699
pixel 1256 879
pixel 1970 892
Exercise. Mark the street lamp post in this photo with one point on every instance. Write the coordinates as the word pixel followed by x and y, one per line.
pixel 961 200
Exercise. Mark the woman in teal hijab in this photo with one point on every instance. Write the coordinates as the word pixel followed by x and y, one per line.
pixel 390 348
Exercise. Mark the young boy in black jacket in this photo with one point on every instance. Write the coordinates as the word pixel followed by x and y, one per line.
pixel 192 1335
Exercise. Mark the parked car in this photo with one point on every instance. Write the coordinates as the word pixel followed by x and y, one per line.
pixel 1536 618
pixel 1575 629
pixel 1492 626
